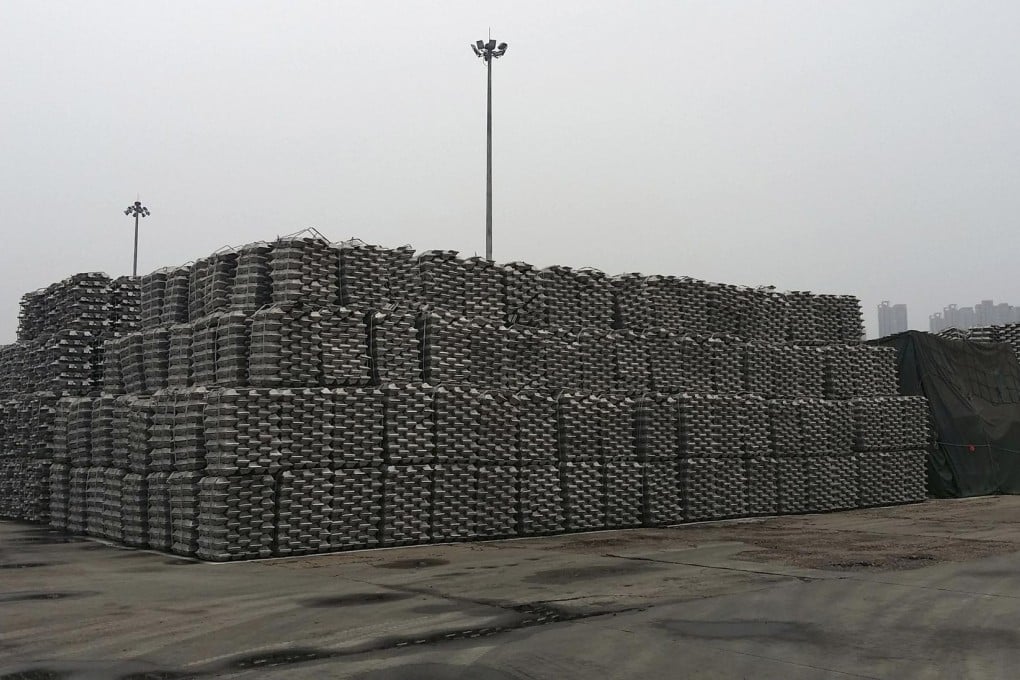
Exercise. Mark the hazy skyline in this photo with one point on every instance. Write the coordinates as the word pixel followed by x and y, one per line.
pixel 848 147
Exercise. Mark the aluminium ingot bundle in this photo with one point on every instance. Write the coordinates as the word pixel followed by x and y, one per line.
pixel 541 499
pixel 584 494
pixel 498 501
pixel 236 517
pixel 625 492
pixel 662 498
pixel 713 488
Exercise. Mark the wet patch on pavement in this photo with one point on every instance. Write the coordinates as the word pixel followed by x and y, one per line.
pixel 27 565
pixel 572 574
pixel 354 599
pixel 35 674
pixel 420 563
pixel 41 596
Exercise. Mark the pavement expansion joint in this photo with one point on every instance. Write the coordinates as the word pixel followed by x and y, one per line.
pixel 527 616
pixel 503 605
pixel 802 578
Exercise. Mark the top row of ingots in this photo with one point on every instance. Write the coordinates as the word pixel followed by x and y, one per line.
pixel 315 272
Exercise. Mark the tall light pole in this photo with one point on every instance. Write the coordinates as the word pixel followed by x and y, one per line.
pixel 488 52
pixel 138 210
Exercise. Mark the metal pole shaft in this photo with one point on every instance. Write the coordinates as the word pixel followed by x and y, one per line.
pixel 488 167
pixel 134 267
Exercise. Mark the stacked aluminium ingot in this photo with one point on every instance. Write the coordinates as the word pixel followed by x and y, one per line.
pixel 524 295
pixel 153 291
pixel 297 346
pixel 233 340
pixel 577 298
pixel 358 446
pixel 176 307
pixel 859 371
pixel 134 493
pixel 409 475
pixel 582 430
pixel 252 286
pixel 891 435
pixel 541 486
pixel 395 348
pixel 306 271
pixel 717 434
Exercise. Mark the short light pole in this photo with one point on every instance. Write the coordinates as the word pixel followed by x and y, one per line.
pixel 488 52
pixel 138 210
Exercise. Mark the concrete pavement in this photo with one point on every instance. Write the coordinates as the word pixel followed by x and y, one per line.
pixel 921 591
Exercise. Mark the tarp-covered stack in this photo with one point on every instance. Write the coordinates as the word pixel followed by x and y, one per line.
pixel 971 391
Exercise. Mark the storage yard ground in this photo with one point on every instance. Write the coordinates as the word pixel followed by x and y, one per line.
pixel 913 591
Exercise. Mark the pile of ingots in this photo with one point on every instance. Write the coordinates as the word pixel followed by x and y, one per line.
pixel 811 440
pixel 858 371
pixel 176 306
pixel 59 353
pixel 298 346
pixel 577 298
pixel 66 362
pixel 719 434
pixel 703 308
pixel 469 287
pixel 82 302
pixel 456 349
pixel 252 286
pixel 300 396
pixel 61 333
pixel 305 270
pixel 25 440
pixel 375 278
pixel 891 436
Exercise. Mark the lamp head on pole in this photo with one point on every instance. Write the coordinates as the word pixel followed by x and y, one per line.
pixel 137 209
pixel 489 49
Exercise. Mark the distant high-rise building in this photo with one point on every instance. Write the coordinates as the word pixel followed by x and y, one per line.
pixel 985 313
pixel 891 319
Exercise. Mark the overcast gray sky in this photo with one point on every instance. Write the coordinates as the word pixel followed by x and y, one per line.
pixel 861 147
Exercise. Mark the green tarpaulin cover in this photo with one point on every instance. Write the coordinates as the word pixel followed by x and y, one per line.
pixel 973 390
